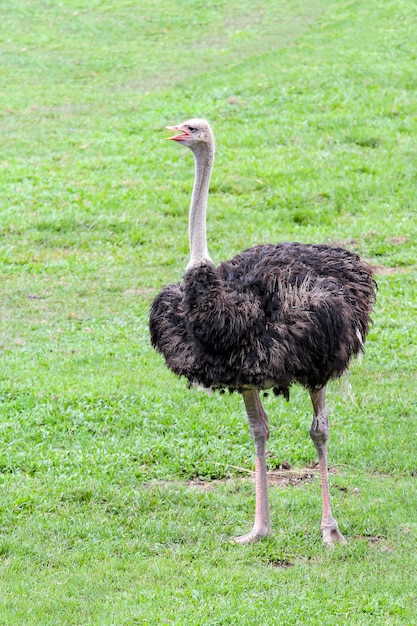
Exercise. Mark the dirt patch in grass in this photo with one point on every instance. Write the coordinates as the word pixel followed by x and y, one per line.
pixel 296 476
pixel 204 485
pixel 397 241
pixel 378 542
pixel 280 563
pixel 381 270
pixel 280 477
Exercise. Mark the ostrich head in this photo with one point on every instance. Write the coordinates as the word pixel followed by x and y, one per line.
pixel 196 134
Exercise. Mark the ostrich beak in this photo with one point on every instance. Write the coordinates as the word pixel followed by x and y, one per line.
pixel 180 137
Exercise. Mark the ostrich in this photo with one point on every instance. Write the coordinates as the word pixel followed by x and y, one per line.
pixel 273 315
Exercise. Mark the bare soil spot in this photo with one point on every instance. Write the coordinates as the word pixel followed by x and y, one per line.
pixel 296 476
pixel 377 542
pixel 344 243
pixel 280 563
pixel 281 477
pixel 397 241
pixel 203 485
pixel 381 270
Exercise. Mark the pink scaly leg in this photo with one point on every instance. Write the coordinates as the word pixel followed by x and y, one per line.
pixel 258 427
pixel 319 433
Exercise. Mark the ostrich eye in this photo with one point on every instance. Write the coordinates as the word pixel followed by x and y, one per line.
pixel 192 129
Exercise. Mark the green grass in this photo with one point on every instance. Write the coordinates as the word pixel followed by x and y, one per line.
pixel 121 487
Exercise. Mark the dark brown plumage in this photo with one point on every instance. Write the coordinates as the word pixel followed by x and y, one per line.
pixel 271 316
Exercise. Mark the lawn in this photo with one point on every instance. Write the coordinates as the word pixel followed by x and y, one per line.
pixel 121 488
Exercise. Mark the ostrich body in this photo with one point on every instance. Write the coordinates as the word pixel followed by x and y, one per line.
pixel 273 315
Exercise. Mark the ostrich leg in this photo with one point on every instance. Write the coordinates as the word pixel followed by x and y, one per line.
pixel 258 428
pixel 319 433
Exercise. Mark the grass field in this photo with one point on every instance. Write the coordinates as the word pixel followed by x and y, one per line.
pixel 120 488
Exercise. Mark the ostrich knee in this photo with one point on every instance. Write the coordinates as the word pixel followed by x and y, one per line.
pixel 257 420
pixel 319 432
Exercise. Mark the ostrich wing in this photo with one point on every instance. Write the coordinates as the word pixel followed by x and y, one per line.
pixel 218 312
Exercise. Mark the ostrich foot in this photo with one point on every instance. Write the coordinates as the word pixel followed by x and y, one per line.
pixel 332 534
pixel 256 534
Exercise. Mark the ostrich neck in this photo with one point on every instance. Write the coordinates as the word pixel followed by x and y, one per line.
pixel 198 208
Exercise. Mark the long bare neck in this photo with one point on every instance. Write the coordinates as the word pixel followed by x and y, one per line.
pixel 204 157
